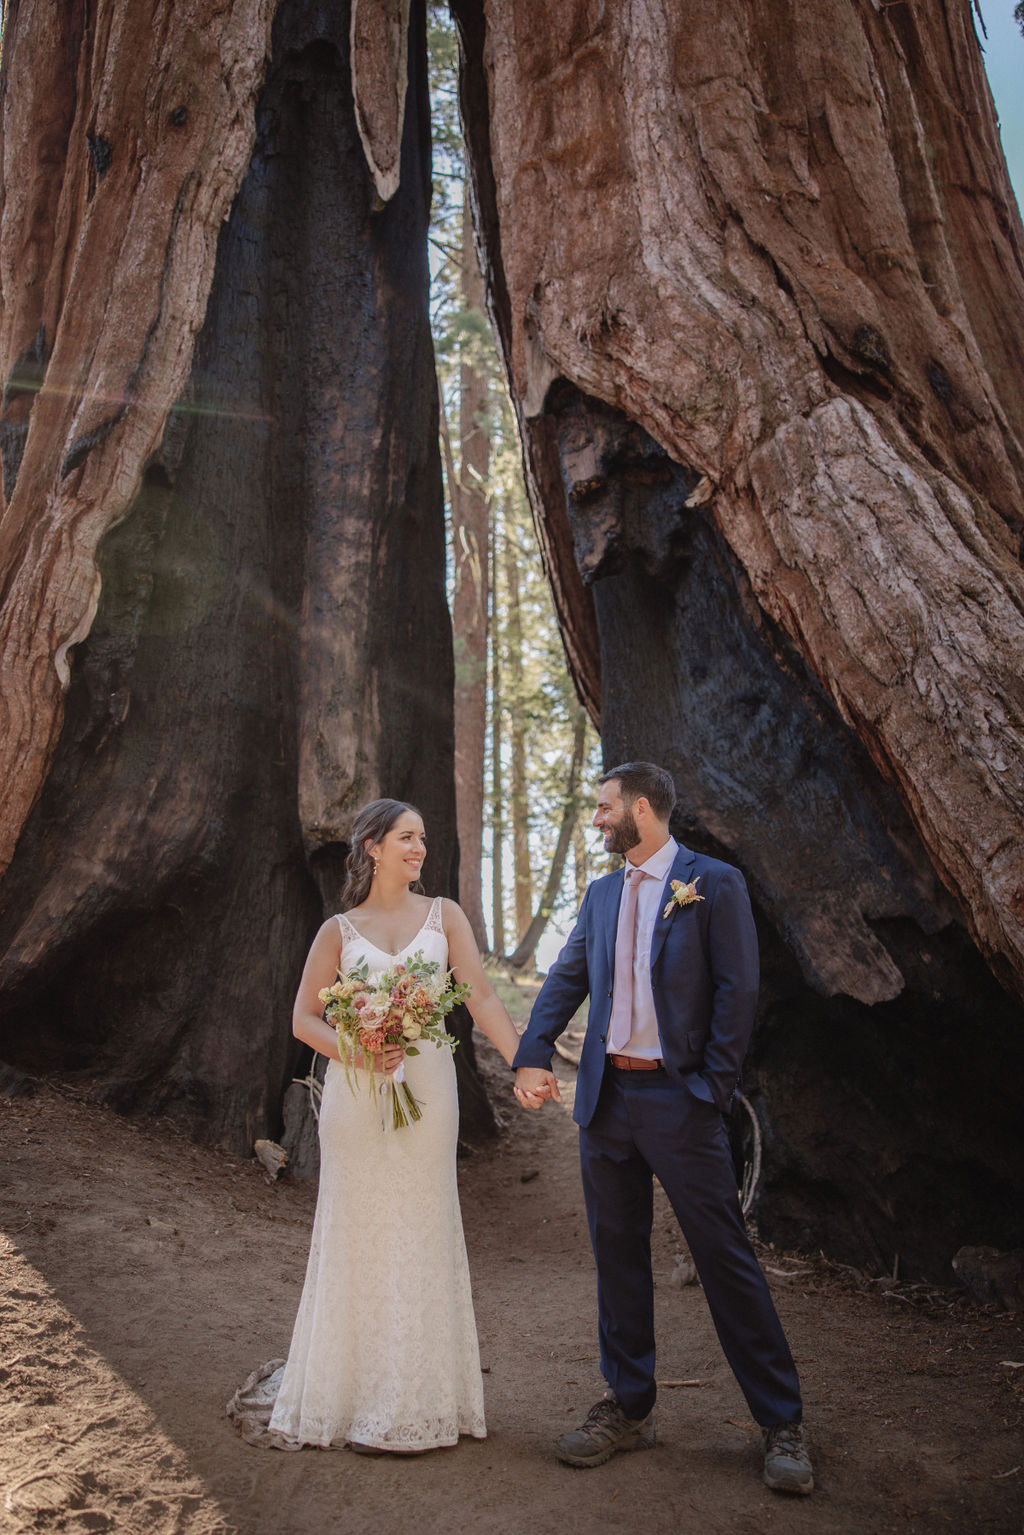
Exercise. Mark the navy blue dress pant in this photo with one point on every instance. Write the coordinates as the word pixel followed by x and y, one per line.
pixel 648 1123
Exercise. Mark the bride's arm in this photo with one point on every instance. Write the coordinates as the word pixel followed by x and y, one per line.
pixel 320 970
pixel 486 1007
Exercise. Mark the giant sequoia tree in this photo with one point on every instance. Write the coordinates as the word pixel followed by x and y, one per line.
pixel 222 541
pixel 758 275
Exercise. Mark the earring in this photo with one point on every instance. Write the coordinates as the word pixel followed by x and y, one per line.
pixel 376 867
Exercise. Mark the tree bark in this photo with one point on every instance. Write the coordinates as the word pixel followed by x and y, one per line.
pixel 124 144
pixel 759 282
pixel 470 533
pixel 270 645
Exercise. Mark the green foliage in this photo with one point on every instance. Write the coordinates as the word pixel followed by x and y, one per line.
pixel 443 67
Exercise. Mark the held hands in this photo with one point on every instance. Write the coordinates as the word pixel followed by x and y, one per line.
pixel 534 1086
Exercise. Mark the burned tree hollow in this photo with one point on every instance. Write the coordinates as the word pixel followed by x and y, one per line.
pixel 886 1054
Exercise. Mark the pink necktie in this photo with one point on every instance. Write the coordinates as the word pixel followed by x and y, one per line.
pixel 621 1024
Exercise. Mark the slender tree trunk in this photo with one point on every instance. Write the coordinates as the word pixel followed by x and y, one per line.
pixel 519 790
pixel 469 608
pixel 579 855
pixel 497 776
pixel 523 955
pixel 448 459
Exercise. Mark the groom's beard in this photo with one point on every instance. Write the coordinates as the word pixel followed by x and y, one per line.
pixel 619 839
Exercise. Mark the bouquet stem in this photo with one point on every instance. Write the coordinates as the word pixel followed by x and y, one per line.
pixel 403 1106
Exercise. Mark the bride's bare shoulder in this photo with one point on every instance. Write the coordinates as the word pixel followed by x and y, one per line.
pixel 328 938
pixel 452 915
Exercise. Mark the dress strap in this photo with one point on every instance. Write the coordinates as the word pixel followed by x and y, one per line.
pixel 348 929
pixel 433 923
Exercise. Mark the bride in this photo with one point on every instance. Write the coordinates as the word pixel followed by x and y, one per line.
pixel 384 1352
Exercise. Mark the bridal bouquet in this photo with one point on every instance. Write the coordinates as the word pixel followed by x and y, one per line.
pixel 396 1007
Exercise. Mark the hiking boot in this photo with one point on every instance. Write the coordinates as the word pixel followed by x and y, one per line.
pixel 787 1465
pixel 606 1430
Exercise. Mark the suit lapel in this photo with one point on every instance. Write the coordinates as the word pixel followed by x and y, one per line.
pixel 681 868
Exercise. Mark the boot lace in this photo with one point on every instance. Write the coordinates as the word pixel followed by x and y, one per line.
pixel 787 1439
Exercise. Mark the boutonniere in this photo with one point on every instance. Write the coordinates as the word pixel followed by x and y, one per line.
pixel 683 894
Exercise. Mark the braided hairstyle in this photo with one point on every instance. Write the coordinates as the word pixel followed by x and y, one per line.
pixel 371 824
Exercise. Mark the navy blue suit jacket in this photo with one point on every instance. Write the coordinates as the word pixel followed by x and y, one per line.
pixel 704 976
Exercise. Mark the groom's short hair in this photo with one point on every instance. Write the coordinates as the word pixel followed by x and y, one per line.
pixel 648 780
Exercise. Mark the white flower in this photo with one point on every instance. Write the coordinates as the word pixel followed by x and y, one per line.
pixel 683 894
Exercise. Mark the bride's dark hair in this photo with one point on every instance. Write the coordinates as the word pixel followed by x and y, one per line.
pixel 371 824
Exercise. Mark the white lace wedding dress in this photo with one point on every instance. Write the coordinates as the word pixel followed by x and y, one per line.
pixel 384 1351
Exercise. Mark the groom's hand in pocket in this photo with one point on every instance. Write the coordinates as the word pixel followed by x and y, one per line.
pixel 534 1085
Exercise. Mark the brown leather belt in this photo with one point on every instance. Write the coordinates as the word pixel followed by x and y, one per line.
pixel 634 1063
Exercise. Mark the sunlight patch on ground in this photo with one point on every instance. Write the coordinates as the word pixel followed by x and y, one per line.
pixel 70 1465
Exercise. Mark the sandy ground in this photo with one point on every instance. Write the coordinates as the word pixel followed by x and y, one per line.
pixel 144 1277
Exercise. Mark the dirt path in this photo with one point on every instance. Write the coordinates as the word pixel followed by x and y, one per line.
pixel 143 1278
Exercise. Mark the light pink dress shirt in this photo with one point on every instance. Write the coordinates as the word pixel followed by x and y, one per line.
pixel 644 1040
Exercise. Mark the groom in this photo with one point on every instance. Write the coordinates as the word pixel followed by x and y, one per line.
pixel 667 952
